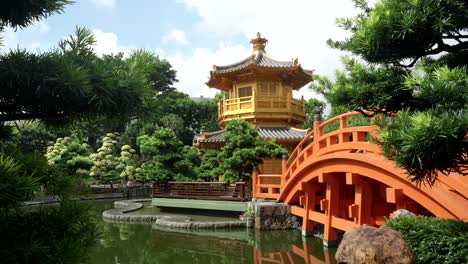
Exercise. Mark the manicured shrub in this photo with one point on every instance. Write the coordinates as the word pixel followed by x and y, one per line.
pixel 128 163
pixel 71 155
pixel 434 240
pixel 106 160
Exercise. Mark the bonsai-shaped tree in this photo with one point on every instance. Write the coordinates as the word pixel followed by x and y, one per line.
pixel 242 151
pixel 166 157
pixel 71 155
pixel 210 168
pixel 106 160
pixel 128 164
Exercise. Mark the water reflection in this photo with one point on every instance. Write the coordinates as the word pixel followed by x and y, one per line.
pixel 125 243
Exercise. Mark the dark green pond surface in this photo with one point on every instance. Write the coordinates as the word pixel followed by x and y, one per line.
pixel 139 243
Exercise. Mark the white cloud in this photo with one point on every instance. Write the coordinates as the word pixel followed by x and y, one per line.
pixel 41 27
pixel 9 39
pixel 176 35
pixel 104 3
pixel 193 70
pixel 107 43
pixel 294 29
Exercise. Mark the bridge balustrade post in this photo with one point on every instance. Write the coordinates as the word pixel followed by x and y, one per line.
pixel 284 163
pixel 343 122
pixel 317 130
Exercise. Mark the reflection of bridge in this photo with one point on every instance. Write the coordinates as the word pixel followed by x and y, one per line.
pixel 340 179
pixel 297 254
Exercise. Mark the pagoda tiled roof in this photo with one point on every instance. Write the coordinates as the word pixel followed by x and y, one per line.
pixel 277 133
pixel 260 60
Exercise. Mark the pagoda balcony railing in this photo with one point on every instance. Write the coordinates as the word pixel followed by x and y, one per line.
pixel 263 104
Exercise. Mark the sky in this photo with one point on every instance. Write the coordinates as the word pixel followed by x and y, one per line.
pixel 195 34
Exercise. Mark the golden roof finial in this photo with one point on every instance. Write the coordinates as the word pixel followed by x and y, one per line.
pixel 259 43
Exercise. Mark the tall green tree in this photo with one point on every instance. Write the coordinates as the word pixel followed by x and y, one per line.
pixel 428 137
pixel 395 32
pixel 73 83
pixel 64 84
pixel 243 151
pixel 210 167
pixel 166 158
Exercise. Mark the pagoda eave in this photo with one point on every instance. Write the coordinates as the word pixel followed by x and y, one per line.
pixel 223 80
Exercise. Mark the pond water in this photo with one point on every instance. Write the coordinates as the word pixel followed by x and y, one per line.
pixel 140 243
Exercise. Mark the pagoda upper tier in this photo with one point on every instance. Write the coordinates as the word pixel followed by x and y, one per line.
pixel 290 72
pixel 259 89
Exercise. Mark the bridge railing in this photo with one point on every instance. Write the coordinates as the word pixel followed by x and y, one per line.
pixel 317 142
pixel 266 186
pixel 202 190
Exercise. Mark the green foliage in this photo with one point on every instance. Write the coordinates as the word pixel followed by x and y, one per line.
pixel 136 129
pixel 33 137
pixel 71 155
pixel 73 84
pixel 53 234
pixel 16 184
pixel 312 106
pixel 166 157
pixel 395 30
pixel 352 121
pixel 430 135
pixel 174 123
pixel 368 87
pixel 106 160
pixel 181 114
pixel 210 167
pixel 442 89
pixel 128 163
pixel 434 240
pixel 425 143
pixel 23 13
pixel 242 151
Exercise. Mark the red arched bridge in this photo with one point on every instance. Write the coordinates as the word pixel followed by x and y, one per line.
pixel 341 179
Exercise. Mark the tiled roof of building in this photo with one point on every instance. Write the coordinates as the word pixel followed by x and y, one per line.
pixel 278 133
pixel 217 136
pixel 259 59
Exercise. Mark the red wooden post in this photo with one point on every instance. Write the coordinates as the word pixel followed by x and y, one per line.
pixel 309 204
pixel 254 181
pixel 331 206
pixel 361 209
pixel 242 191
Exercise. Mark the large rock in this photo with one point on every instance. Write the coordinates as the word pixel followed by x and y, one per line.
pixel 371 245
pixel 274 216
pixel 402 213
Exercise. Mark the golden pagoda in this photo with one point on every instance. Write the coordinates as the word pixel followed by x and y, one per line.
pixel 259 89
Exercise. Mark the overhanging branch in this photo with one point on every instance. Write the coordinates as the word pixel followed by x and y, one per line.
pixel 441 47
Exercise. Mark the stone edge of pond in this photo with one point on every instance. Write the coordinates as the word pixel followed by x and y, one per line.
pixel 119 215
